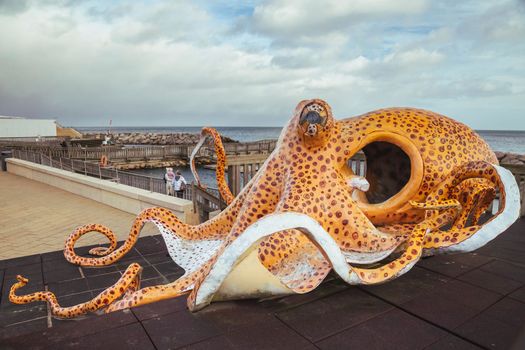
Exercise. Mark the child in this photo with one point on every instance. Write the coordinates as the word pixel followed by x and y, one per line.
pixel 168 179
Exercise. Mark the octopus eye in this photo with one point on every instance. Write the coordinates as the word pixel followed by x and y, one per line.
pixel 313 115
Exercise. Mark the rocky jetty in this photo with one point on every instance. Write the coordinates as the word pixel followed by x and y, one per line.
pixel 151 164
pixel 139 138
pixel 510 158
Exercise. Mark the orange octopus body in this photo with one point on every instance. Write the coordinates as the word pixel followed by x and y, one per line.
pixel 434 143
pixel 305 212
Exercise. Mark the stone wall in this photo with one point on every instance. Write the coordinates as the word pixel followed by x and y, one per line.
pixel 510 158
pixel 136 138
pixel 126 198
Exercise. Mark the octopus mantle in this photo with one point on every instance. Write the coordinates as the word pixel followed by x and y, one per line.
pixel 427 189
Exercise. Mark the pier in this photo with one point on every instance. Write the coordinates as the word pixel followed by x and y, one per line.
pixel 116 154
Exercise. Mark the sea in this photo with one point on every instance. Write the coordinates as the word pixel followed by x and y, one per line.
pixel 503 141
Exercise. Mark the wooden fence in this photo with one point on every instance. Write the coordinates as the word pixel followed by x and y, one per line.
pixel 53 149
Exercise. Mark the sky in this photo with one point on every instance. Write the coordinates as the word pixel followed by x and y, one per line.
pixel 248 63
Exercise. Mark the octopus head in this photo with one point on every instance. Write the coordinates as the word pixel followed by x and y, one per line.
pixel 315 123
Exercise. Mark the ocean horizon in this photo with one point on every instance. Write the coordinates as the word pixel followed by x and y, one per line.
pixel 512 141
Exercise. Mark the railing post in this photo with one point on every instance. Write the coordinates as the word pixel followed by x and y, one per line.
pixel 72 168
pixel 99 172
pixel 151 184
pixel 85 168
pixel 61 163
pixel 194 196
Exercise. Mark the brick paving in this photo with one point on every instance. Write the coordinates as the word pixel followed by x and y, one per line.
pixel 37 218
pixel 465 301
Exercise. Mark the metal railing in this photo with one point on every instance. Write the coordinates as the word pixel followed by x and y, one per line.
pixel 54 149
pixel 149 183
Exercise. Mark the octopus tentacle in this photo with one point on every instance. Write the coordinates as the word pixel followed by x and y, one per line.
pixel 484 202
pixel 472 237
pixel 128 282
pixel 224 190
pixel 163 218
pixel 285 252
pixel 148 295
pixel 217 269
pixel 475 194
pixel 414 247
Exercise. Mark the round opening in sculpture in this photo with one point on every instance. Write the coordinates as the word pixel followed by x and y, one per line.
pixel 388 170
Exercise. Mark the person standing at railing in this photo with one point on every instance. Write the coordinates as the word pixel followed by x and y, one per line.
pixel 168 180
pixel 179 184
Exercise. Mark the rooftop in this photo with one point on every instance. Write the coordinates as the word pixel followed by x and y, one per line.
pixel 464 301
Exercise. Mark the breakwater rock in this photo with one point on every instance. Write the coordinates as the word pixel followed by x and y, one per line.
pixel 149 138
pixel 150 164
pixel 510 158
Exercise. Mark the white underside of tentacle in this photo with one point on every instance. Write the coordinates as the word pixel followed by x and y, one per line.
pixel 495 226
pixel 267 226
pixel 190 255
pixel 192 159
pixel 367 257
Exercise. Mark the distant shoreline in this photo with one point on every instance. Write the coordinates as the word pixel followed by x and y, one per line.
pixel 512 141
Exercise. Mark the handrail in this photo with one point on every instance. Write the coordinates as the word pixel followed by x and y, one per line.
pixel 122 152
pixel 150 183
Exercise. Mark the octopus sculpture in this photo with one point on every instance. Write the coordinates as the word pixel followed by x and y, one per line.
pixel 429 184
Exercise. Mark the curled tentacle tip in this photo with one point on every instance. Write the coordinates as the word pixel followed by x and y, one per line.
pixel 100 251
pixel 133 268
pixel 22 279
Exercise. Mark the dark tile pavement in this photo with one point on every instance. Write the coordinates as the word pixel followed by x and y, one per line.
pixel 466 301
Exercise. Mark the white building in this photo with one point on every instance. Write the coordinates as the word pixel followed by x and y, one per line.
pixel 22 127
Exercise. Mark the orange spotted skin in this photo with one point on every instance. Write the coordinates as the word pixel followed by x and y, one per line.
pixel 224 190
pixel 129 282
pixel 440 142
pixel 450 181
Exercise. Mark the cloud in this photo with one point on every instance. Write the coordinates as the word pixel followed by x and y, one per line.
pixel 315 18
pixel 12 6
pixel 226 63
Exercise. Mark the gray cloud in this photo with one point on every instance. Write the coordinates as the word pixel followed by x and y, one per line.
pixel 192 63
pixel 11 7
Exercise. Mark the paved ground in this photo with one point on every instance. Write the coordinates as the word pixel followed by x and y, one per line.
pixel 36 218
pixel 466 301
